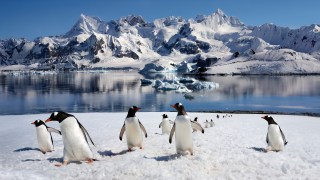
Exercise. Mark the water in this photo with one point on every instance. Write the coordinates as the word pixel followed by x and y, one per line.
pixel 117 91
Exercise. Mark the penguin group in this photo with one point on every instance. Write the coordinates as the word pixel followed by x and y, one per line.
pixel 76 138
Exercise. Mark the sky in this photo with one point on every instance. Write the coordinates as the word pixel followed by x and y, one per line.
pixel 36 18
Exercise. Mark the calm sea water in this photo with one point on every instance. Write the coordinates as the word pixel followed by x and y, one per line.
pixel 117 91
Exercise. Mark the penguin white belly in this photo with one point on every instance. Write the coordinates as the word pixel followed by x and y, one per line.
pixel 75 145
pixel 166 127
pixel 183 134
pixel 133 132
pixel 275 139
pixel 44 139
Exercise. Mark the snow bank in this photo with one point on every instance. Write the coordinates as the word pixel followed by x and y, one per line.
pixel 230 150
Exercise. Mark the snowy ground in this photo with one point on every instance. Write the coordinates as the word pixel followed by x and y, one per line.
pixel 230 150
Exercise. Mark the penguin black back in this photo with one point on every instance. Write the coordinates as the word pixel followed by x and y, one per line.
pixel 132 111
pixel 196 119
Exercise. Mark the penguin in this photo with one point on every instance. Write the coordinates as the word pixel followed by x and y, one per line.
pixel 165 124
pixel 194 129
pixel 275 137
pixel 183 128
pixel 74 136
pixel 133 129
pixel 44 137
pixel 217 116
pixel 212 123
pixel 206 124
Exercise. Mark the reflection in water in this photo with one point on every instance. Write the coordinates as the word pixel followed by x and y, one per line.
pixel 116 91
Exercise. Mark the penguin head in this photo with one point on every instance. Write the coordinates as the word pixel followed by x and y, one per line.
pixel 195 119
pixel 164 116
pixel 180 108
pixel 58 116
pixel 269 119
pixel 132 111
pixel 38 122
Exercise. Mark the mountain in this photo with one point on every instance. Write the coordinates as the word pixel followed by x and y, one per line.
pixel 221 43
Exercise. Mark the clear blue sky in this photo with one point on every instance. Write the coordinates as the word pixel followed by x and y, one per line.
pixel 35 18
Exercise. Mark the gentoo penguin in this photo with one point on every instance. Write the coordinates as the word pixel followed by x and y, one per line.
pixel 212 123
pixel 44 137
pixel 183 128
pixel 165 125
pixel 275 137
pixel 74 136
pixel 194 129
pixel 217 116
pixel 134 129
pixel 206 124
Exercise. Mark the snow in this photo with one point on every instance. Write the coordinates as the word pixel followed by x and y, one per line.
pixel 132 42
pixel 230 150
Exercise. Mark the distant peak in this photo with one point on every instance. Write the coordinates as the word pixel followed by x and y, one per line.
pixel 133 20
pixel 219 12
pixel 85 17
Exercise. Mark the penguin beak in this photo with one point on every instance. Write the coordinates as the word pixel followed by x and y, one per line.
pixel 33 123
pixel 48 120
pixel 263 117
pixel 137 108
pixel 174 106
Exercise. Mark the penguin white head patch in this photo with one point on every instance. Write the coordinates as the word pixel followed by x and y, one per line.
pixel 55 114
pixel 179 104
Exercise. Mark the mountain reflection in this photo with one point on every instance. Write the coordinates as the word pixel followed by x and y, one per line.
pixel 116 91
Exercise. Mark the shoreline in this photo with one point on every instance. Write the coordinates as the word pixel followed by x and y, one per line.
pixel 116 69
pixel 310 114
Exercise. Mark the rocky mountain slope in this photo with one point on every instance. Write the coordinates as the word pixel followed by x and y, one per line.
pixel 221 43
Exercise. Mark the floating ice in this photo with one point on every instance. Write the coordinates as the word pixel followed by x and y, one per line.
pixel 182 85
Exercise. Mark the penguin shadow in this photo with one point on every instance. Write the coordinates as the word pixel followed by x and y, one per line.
pixel 55 160
pixel 165 158
pixel 30 160
pixel 110 153
pixel 26 149
pixel 258 149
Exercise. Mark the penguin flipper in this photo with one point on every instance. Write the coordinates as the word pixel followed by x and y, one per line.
pixel 172 132
pixel 50 129
pixel 267 139
pixel 197 126
pixel 160 125
pixel 143 129
pixel 122 131
pixel 85 133
pixel 283 137
pixel 171 122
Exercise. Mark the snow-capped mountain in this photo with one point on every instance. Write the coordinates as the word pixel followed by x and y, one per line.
pixel 132 42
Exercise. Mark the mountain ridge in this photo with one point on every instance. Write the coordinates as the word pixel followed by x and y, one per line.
pixel 94 43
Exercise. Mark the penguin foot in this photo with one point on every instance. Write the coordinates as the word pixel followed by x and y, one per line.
pixel 268 149
pixel 130 150
pixel 58 165
pixel 61 164
pixel 90 161
pixel 141 147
